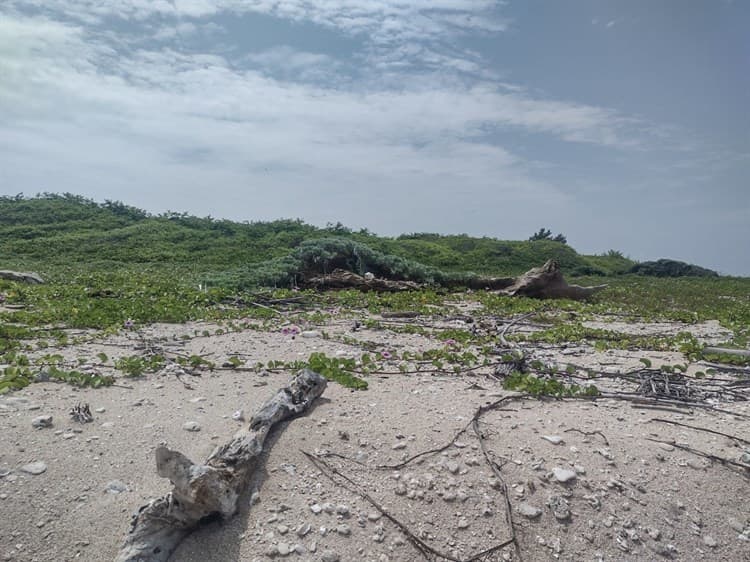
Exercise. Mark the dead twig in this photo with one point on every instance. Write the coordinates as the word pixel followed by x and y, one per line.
pixel 710 456
pixel 606 442
pixel 740 439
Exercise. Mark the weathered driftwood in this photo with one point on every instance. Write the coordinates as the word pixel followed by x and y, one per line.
pixel 727 351
pixel 211 489
pixel 544 282
pixel 341 279
pixel 547 282
pixel 22 276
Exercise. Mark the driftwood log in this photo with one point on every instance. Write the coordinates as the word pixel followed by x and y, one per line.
pixel 212 489
pixel 544 282
pixel 727 351
pixel 547 282
pixel 22 276
pixel 341 279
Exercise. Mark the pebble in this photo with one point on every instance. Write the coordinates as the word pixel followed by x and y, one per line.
pixel 463 523
pixel 330 556
pixel 42 421
pixel 303 529
pixel 398 446
pixel 560 508
pixel 736 525
pixel 100 410
pixel 554 439
pixel 284 549
pixel 310 334
pixel 563 474
pixel 342 510
pixel 198 399
pixel 374 515
pixel 116 487
pixel 239 415
pixel 34 467
pixel 452 467
pixel 191 426
pixel 315 508
pixel 344 530
pixel 528 510
pixel 709 541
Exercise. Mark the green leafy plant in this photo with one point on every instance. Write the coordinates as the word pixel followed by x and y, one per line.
pixel 543 386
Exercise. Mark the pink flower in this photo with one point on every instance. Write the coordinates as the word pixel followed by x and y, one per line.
pixel 450 342
pixel 128 324
pixel 290 330
pixel 386 355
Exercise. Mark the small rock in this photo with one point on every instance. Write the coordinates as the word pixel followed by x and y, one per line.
pixel 344 530
pixel 736 525
pixel 709 541
pixel 100 410
pixel 284 549
pixel 42 421
pixel 116 487
pixel 560 508
pixel 342 510
pixel 310 334
pixel 374 515
pixel 315 508
pixel 398 446
pixel 452 467
pixel 198 399
pixel 563 474
pixel 239 415
pixel 554 439
pixel 653 532
pixel 34 467
pixel 463 523
pixel 330 556
pixel 303 529
pixel 282 529
pixel 529 511
pixel 191 426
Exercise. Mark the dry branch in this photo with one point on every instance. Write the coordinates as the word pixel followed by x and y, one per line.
pixel 212 489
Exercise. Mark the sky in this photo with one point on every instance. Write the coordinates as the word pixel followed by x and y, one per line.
pixel 622 124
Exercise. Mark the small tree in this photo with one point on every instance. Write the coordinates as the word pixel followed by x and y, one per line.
pixel 546 234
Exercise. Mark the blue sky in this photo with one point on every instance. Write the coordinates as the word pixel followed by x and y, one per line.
pixel 622 124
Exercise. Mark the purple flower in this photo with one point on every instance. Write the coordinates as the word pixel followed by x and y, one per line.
pixel 450 342
pixel 290 330
pixel 386 355
pixel 128 324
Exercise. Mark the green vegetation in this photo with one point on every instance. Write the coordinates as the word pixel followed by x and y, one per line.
pixel 112 268
pixel 51 231
pixel 671 268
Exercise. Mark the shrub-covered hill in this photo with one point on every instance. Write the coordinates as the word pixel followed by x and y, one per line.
pixel 52 230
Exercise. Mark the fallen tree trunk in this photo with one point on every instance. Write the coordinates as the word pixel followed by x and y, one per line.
pixel 22 276
pixel 727 351
pixel 341 279
pixel 211 489
pixel 547 282
pixel 544 282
